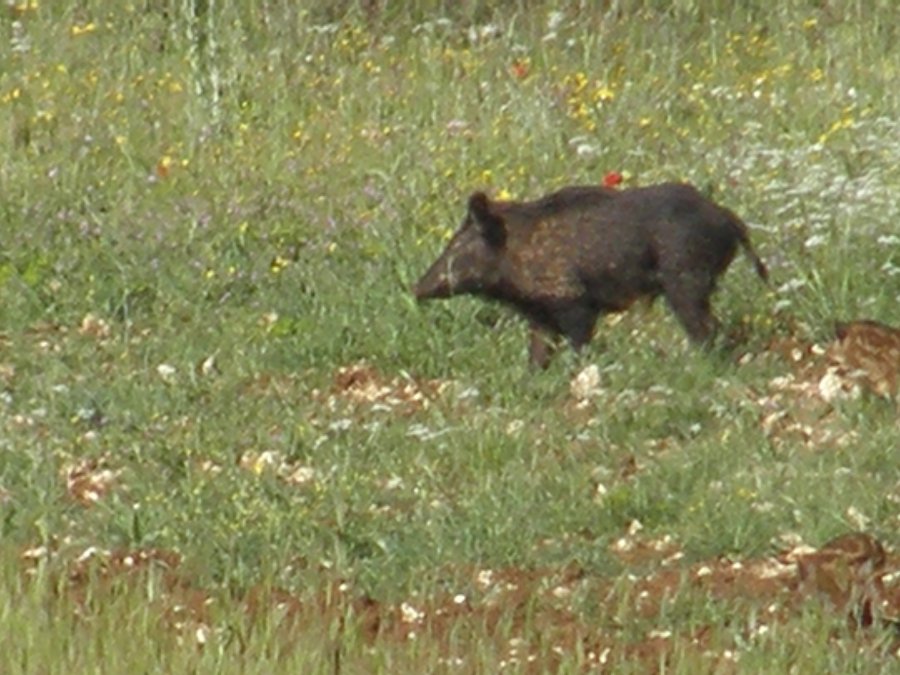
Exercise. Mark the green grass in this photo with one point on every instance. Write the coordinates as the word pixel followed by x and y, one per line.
pixel 255 186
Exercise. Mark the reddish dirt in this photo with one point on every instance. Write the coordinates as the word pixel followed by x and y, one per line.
pixel 363 385
pixel 868 352
pixel 851 576
pixel 864 356
pixel 571 611
pixel 800 405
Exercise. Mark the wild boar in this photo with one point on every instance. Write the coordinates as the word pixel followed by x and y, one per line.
pixel 566 258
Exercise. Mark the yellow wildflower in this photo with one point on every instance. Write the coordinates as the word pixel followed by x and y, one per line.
pixel 84 29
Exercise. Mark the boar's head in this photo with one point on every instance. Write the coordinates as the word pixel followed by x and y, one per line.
pixel 471 261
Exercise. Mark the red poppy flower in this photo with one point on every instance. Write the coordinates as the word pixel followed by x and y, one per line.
pixel 612 179
pixel 519 69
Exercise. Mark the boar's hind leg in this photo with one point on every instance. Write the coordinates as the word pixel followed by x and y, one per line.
pixel 576 322
pixel 689 300
pixel 541 346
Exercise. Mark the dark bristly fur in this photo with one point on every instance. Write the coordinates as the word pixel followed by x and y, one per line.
pixel 570 256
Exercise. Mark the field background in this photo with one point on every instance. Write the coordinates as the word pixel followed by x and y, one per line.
pixel 230 441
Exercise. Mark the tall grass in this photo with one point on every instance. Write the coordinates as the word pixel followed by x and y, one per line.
pixel 209 208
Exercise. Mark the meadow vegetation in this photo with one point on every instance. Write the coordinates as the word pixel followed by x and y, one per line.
pixel 230 441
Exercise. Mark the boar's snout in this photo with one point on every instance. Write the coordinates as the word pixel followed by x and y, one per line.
pixel 435 283
pixel 419 292
pixel 430 289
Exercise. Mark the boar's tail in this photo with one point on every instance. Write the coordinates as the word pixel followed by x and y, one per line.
pixel 744 237
pixel 760 266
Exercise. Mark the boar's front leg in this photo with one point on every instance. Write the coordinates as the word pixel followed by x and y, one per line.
pixel 575 322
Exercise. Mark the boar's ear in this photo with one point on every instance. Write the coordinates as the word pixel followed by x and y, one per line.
pixel 491 224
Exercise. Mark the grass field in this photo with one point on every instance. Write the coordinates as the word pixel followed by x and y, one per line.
pixel 230 441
